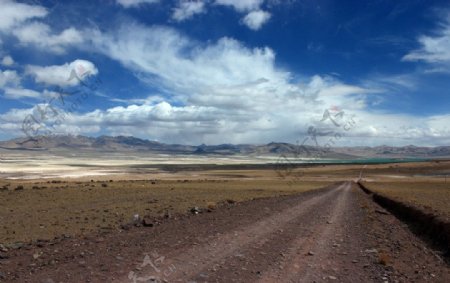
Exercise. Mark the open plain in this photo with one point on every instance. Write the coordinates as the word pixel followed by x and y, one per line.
pixel 228 221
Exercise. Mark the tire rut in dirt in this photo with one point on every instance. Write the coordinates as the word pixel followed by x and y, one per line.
pixel 249 262
pixel 191 261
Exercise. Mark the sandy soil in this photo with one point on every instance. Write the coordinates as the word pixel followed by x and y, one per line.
pixel 37 165
pixel 334 234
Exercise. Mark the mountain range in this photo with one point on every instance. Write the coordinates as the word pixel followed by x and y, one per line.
pixel 133 144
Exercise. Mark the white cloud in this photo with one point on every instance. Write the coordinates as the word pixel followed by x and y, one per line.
pixel 9 78
pixel 135 3
pixel 256 19
pixel 222 88
pixel 186 67
pixel 41 35
pixel 15 20
pixel 11 88
pixel 434 49
pixel 13 14
pixel 60 75
pixel 197 124
pixel 187 9
pixel 241 5
pixel 16 93
pixel 7 61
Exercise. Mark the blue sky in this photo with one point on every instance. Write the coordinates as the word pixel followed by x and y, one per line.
pixel 227 71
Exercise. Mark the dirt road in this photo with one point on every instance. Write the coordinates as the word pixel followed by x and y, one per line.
pixel 334 234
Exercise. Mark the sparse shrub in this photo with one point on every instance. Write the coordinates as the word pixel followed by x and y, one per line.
pixel 211 205
pixel 104 185
pixel 19 188
pixel 384 258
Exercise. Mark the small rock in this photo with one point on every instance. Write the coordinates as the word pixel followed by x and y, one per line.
pixel 195 210
pixel 135 218
pixel 381 211
pixel 16 246
pixel 100 240
pixel 355 261
pixel 371 251
pixel 310 253
pixel 125 227
pixel 147 222
pixel 3 248
pixel 19 188
pixel 167 215
pixel 332 277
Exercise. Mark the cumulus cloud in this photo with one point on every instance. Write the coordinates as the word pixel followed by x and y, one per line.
pixel 212 90
pixel 187 9
pixel 241 5
pixel 197 124
pixel 13 14
pixel 434 49
pixel 7 61
pixel 134 3
pixel 9 78
pixel 256 19
pixel 62 75
pixel 41 35
pixel 221 88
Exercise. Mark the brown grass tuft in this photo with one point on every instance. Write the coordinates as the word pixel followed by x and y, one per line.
pixel 384 258
pixel 211 205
